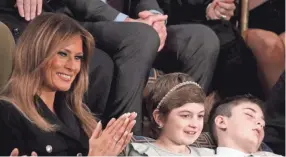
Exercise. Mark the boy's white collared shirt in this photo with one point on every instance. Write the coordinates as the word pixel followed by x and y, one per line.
pixel 229 152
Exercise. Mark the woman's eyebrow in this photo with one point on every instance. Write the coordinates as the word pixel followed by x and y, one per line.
pixel 69 51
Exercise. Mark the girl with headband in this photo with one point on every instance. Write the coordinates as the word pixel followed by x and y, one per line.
pixel 176 110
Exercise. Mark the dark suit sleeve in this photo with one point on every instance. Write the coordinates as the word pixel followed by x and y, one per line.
pixel 141 5
pixel 11 134
pixel 184 11
pixel 196 8
pixel 91 10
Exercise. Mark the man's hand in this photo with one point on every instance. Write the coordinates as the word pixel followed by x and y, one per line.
pixel 149 20
pixel 221 9
pixel 157 24
pixel 29 9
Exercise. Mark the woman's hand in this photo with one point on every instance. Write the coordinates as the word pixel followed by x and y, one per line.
pixel 220 9
pixel 114 138
pixel 15 152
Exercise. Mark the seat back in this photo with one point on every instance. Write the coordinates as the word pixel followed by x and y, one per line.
pixel 7 45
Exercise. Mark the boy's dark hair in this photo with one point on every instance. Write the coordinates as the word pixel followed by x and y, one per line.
pixel 190 93
pixel 225 107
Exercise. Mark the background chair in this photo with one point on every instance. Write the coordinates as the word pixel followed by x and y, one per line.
pixel 7 45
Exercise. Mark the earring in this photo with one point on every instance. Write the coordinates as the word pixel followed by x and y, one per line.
pixel 160 126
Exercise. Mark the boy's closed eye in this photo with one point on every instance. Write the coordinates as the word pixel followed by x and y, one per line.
pixel 249 115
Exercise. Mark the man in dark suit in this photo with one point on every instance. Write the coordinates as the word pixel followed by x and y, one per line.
pixel 132 35
pixel 192 49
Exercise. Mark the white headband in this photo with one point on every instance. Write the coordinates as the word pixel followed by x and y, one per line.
pixel 176 87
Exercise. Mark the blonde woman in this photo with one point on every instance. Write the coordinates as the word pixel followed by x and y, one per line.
pixel 41 107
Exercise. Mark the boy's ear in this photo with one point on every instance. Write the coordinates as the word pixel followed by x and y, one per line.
pixel 221 122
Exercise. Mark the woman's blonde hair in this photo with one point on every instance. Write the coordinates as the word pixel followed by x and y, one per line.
pixel 40 41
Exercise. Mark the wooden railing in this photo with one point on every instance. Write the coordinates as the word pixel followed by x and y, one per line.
pixel 244 16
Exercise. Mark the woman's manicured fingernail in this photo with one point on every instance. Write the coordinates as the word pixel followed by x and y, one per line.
pixel 98 123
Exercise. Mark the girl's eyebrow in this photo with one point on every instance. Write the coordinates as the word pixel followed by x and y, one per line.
pixel 186 111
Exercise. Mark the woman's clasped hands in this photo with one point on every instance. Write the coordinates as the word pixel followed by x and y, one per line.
pixel 114 138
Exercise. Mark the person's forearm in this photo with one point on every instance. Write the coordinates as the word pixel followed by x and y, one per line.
pixel 143 5
pixel 121 17
pixel 91 10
